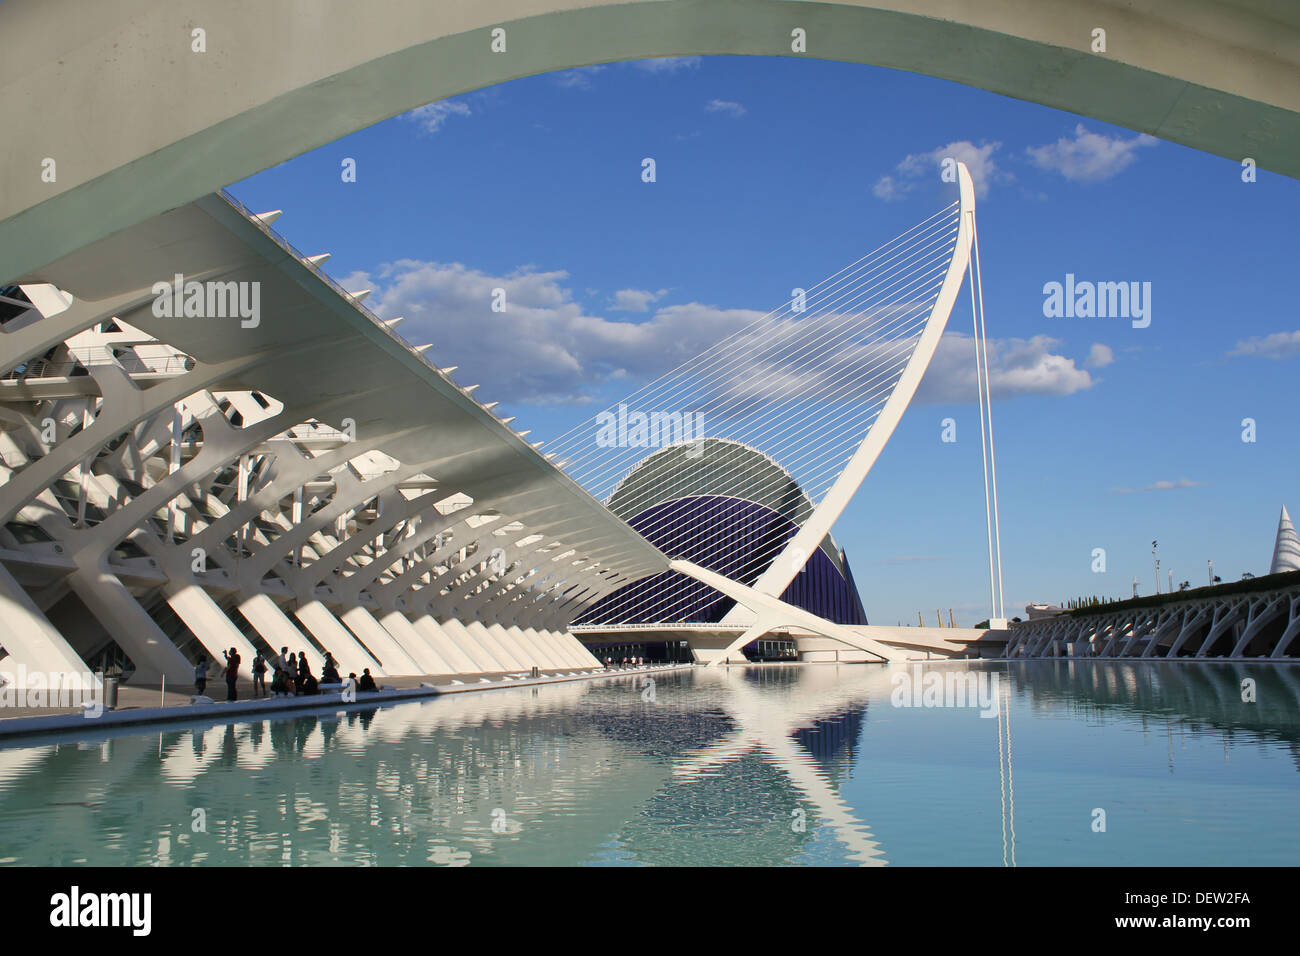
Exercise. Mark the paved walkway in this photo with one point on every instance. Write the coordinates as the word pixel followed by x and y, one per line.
pixel 142 704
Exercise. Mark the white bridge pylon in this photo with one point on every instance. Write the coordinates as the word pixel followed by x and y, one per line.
pixel 760 606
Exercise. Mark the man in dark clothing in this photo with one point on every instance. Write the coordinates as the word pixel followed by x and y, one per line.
pixel 232 673
pixel 367 682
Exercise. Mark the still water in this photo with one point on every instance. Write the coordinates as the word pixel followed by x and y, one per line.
pixel 1075 764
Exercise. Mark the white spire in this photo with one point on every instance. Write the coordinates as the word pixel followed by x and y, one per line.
pixel 1286 552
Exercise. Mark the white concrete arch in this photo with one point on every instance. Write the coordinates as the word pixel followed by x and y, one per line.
pixel 276 79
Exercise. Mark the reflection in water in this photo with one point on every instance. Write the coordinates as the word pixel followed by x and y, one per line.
pixel 783 764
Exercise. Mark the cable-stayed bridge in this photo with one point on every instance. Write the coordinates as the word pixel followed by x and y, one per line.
pixel 789 414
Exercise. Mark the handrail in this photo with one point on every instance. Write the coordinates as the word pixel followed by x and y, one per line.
pixel 302 258
pixel 131 364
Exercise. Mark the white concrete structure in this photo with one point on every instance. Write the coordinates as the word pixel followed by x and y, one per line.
pixel 140 114
pixel 279 467
pixel 1286 548
pixel 1255 625
pixel 207 444
pixel 300 477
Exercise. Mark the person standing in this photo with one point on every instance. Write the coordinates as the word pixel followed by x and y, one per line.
pixel 201 675
pixel 232 673
pixel 304 671
pixel 259 675
pixel 287 671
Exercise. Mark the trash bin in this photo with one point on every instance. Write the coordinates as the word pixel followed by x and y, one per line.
pixel 110 693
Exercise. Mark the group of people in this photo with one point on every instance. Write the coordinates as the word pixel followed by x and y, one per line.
pixel 627 662
pixel 230 672
pixel 293 675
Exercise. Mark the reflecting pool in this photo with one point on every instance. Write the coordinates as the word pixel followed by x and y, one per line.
pixel 1040 763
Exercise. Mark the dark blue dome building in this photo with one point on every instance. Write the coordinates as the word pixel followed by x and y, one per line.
pixel 729 508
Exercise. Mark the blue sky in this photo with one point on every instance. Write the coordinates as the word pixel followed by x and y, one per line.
pixel 774 173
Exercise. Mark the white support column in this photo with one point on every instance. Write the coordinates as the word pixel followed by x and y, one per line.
pixel 585 657
pixel 445 645
pixel 415 645
pixel 464 640
pixel 130 625
pixel 277 630
pixel 396 662
pixel 526 657
pixel 493 647
pixel 32 640
pixel 573 654
pixel 337 639
pixel 535 648
pixel 547 640
pixel 210 625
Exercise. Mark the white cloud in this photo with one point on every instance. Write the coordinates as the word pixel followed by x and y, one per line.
pixel 577 79
pixel 545 346
pixel 1089 157
pixel 548 347
pixel 888 189
pixel 725 106
pixel 431 117
pixel 911 172
pixel 668 64
pixel 1099 356
pixel 1279 345
pixel 1016 367
pixel 1161 486
pixel 635 300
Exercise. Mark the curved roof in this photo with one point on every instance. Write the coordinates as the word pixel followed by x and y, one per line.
pixel 714 467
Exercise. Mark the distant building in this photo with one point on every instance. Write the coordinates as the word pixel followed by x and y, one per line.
pixel 1036 612
pixel 1286 550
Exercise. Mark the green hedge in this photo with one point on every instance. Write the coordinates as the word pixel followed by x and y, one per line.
pixel 1269 582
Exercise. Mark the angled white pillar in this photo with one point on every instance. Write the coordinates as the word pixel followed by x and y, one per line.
pixel 524 655
pixel 772 612
pixel 337 639
pixel 215 631
pixel 564 654
pixel 376 637
pixel 544 641
pixel 493 646
pixel 445 645
pixel 587 658
pixel 571 656
pixel 541 653
pixel 414 643
pixel 118 612
pixel 472 647
pixel 277 630
pixel 32 640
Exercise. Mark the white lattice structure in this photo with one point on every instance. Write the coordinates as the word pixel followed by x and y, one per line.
pixel 307 480
pixel 205 443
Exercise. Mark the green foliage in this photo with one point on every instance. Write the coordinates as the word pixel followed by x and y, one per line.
pixel 1270 582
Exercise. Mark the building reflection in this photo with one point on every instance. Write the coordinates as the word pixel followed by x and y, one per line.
pixel 715 767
